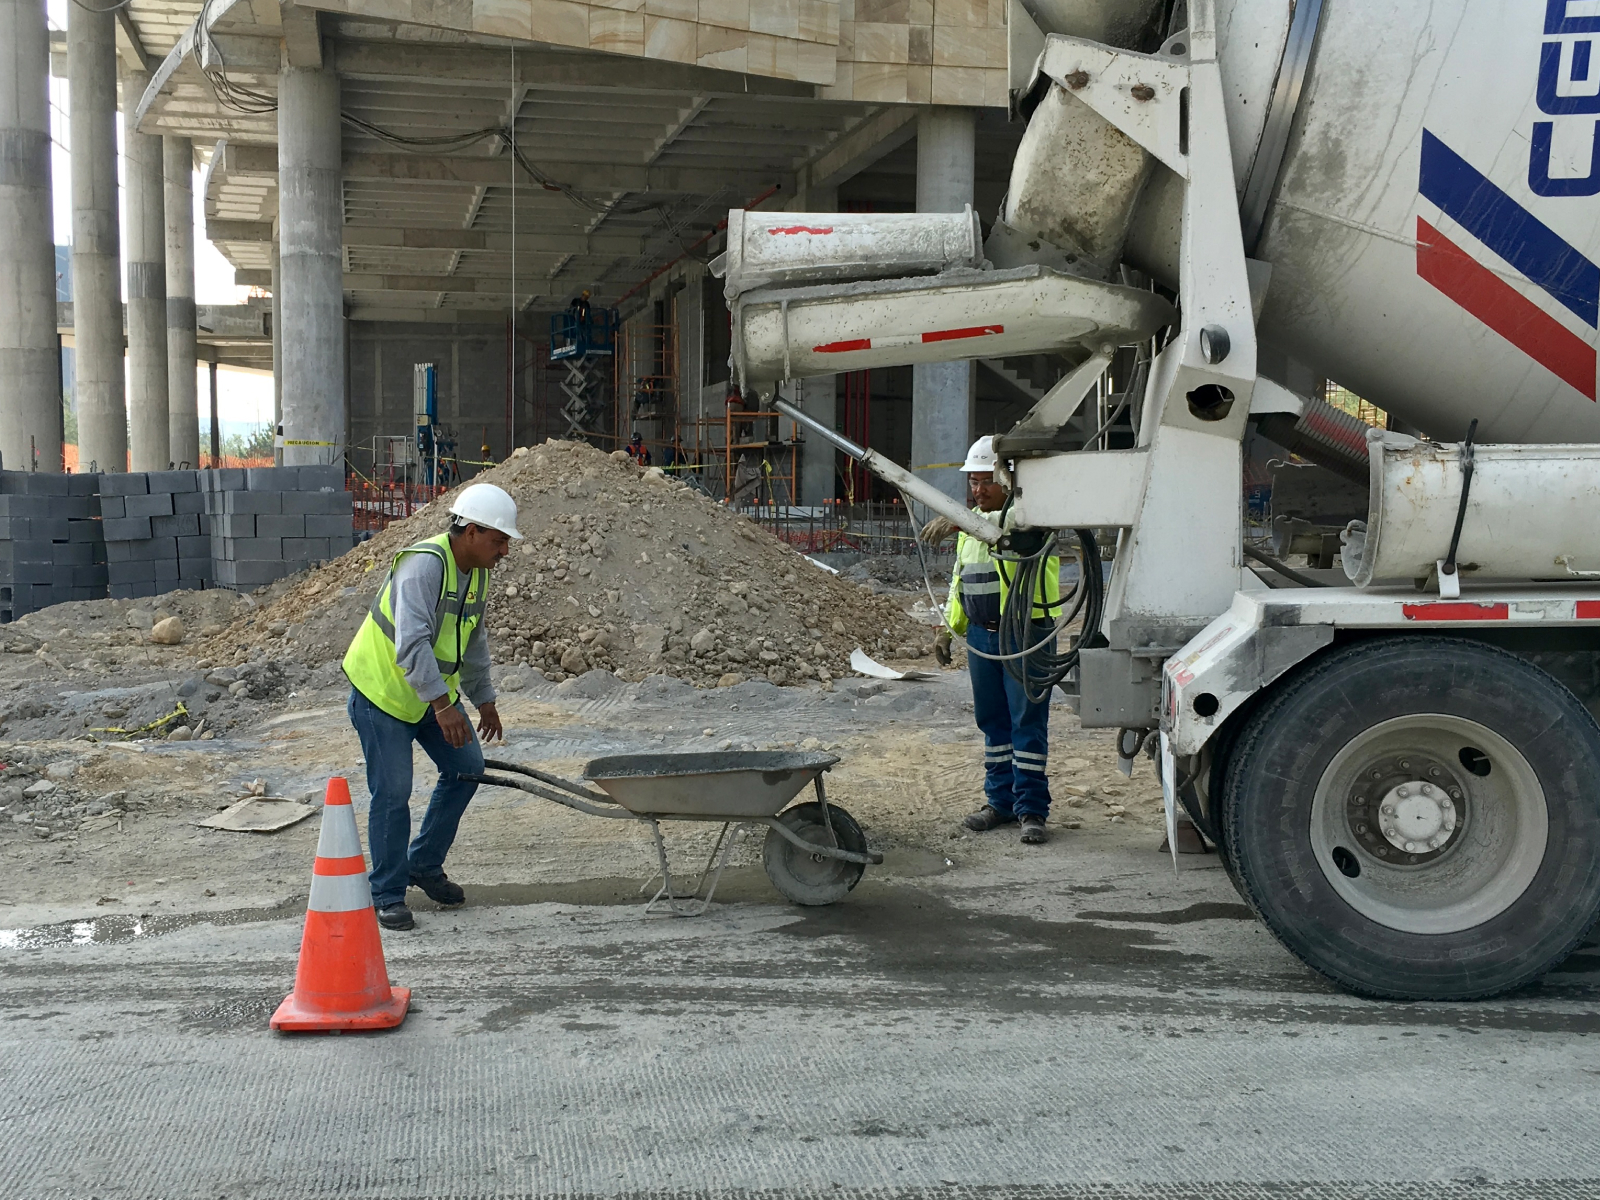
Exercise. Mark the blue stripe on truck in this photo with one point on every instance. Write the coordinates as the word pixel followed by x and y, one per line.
pixel 1511 231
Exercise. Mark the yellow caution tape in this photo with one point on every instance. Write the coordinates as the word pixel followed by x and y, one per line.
pixel 303 442
pixel 180 711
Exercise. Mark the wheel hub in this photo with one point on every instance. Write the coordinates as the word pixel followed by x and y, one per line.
pixel 1417 817
pixel 1407 809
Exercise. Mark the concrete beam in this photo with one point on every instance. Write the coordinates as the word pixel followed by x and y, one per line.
pixel 364 281
pixel 380 237
pixel 860 147
pixel 302 37
pixel 243 161
pixel 130 45
pixel 546 70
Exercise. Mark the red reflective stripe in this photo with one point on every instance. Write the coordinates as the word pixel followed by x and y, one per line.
pixel 1504 309
pixel 843 347
pixel 354 865
pixel 1587 610
pixel 1458 611
pixel 951 335
pixel 791 230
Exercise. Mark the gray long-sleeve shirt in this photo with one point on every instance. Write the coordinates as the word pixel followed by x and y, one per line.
pixel 418 580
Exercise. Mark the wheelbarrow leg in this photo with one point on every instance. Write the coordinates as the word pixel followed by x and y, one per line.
pixel 827 817
pixel 692 904
pixel 666 874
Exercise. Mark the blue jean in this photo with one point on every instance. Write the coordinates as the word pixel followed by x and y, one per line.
pixel 1016 734
pixel 386 743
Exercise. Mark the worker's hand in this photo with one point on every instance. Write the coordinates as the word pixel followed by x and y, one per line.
pixel 937 530
pixel 452 723
pixel 941 647
pixel 489 723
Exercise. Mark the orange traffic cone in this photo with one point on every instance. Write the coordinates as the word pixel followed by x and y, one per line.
pixel 341 982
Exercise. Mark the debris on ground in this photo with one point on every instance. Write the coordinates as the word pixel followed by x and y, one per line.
pixel 623 569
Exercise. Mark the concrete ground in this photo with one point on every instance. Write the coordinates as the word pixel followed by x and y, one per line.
pixel 976 1019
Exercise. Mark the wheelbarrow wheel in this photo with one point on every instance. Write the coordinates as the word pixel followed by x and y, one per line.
pixel 813 878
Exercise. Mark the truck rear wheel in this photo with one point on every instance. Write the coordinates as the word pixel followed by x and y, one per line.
pixel 1419 818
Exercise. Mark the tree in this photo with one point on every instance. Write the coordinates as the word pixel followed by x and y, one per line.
pixel 257 443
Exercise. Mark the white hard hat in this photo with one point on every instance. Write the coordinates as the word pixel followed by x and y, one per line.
pixel 980 455
pixel 486 505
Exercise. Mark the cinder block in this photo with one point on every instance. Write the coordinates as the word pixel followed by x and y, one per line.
pixel 331 527
pixel 273 479
pixel 51 528
pixel 234 525
pixel 276 525
pixel 166 570
pixel 94 575
pixel 257 574
pixel 194 547
pixel 73 507
pixel 16 504
pixel 323 478
pixel 134 483
pixel 230 479
pixel 256 549
pixel 40 483
pixel 142 571
pixel 194 568
pixel 132 591
pixel 316 503
pixel 27 550
pixel 182 525
pixel 127 529
pixel 189 502
pixel 156 504
pixel 252 502
pixel 84 483
pixel 115 507
pixel 120 551
pixel 73 553
pixel 174 481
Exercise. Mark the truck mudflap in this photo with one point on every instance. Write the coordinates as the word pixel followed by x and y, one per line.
pixel 1265 634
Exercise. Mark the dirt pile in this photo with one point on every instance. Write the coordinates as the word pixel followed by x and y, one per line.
pixel 623 569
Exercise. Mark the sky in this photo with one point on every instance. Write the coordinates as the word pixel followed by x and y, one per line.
pixel 243 397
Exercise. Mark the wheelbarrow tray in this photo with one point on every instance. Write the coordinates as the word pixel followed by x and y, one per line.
pixel 725 785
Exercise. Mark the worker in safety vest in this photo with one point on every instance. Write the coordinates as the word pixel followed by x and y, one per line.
pixel 1016 731
pixel 421 645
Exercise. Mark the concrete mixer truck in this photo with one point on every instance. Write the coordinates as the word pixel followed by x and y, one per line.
pixel 1400 766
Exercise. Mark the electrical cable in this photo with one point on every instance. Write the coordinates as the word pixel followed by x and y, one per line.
pixel 1281 568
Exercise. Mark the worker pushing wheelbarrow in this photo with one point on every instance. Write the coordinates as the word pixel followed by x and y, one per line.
pixel 814 851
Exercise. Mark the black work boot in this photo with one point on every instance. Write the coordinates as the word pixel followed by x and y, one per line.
pixel 988 817
pixel 396 916
pixel 440 890
pixel 1033 830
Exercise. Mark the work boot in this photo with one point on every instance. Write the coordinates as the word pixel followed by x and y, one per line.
pixel 396 916
pixel 988 817
pixel 1033 830
pixel 440 890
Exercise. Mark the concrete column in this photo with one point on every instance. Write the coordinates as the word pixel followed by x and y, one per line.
pixel 183 400
pixel 96 241
pixel 145 246
pixel 942 393
pixel 311 268
pixel 277 348
pixel 30 414
pixel 818 396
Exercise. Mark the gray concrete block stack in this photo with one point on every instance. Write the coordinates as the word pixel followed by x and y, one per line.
pixel 156 531
pixel 268 522
pixel 51 550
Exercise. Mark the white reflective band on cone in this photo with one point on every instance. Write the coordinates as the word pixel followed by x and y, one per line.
pixel 340 893
pixel 338 838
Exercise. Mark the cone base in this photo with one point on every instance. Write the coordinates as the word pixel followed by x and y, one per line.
pixel 291 1017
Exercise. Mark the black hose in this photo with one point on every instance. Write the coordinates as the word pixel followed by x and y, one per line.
pixel 1288 572
pixel 1044 668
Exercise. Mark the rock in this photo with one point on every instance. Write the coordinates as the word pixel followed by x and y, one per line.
pixel 651 639
pixel 703 640
pixel 811 743
pixel 61 771
pixel 168 632
pixel 277 629
pixel 181 733
pixel 777 675
pixel 223 677
pixel 573 662
pixel 731 679
pixel 43 788
pixel 512 683
pixel 838 626
pixel 140 618
pixel 239 689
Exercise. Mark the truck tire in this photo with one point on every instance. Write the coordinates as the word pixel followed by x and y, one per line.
pixel 1419 818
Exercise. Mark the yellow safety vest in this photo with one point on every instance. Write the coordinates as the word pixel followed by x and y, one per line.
pixel 978 587
pixel 371 663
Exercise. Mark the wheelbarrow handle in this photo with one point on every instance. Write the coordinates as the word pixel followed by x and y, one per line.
pixel 555 781
pixel 593 810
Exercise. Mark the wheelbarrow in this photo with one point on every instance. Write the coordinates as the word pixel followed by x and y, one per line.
pixel 814 851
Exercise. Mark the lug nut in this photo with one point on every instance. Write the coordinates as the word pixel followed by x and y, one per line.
pixel 1388 810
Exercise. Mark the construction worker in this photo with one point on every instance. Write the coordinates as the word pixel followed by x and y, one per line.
pixel 422 644
pixel 638 451
pixel 1016 731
